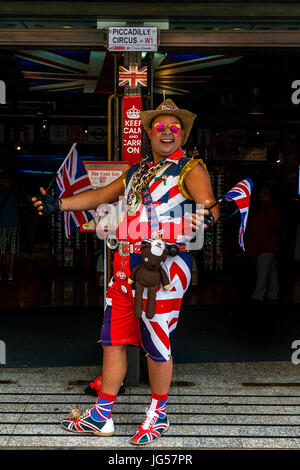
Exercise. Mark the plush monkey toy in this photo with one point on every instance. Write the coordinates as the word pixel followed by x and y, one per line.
pixel 149 274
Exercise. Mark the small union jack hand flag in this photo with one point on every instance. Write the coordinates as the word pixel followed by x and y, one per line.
pixel 133 75
pixel 72 178
pixel 240 194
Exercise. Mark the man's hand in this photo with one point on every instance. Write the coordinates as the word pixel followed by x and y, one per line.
pixel 45 204
pixel 203 217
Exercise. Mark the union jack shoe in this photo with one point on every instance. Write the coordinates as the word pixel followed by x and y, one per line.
pixel 151 428
pixel 86 424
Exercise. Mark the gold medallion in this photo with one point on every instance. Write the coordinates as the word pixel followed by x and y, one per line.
pixel 134 203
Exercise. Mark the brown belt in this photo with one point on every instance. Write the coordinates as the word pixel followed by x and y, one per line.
pixel 126 248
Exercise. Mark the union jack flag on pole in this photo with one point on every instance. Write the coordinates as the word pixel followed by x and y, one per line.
pixel 133 75
pixel 240 194
pixel 72 178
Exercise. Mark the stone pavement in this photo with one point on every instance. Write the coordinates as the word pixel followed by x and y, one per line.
pixel 211 406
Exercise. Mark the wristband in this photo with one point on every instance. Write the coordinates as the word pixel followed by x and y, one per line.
pixel 209 220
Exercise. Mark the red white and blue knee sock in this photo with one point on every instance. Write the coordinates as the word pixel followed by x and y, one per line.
pixel 103 408
pixel 158 404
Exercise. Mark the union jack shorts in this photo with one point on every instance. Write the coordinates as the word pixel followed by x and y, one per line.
pixel 120 326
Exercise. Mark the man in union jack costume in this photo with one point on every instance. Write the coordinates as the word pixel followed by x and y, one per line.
pixel 156 209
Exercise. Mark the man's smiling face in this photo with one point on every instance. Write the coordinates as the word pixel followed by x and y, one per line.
pixel 165 142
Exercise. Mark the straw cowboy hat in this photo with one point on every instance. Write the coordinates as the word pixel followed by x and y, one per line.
pixel 169 107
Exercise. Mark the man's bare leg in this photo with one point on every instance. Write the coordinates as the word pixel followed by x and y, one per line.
pixel 160 375
pixel 114 368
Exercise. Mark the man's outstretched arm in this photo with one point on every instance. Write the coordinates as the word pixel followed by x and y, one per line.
pixel 86 200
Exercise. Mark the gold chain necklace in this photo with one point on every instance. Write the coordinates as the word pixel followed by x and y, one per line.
pixel 140 179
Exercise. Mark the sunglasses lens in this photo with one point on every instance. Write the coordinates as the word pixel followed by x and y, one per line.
pixel 175 128
pixel 159 126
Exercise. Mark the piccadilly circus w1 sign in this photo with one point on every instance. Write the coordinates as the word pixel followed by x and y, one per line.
pixel 132 38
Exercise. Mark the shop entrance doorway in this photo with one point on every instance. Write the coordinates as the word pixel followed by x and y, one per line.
pixel 247 105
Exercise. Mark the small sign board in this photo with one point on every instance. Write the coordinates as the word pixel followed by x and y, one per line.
pixel 132 38
pixel 132 130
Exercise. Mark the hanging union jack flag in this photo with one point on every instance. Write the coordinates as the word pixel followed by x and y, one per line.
pixel 90 71
pixel 240 194
pixel 66 71
pixel 178 74
pixel 72 178
pixel 133 75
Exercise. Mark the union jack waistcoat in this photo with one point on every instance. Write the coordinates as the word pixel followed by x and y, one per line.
pixel 173 205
